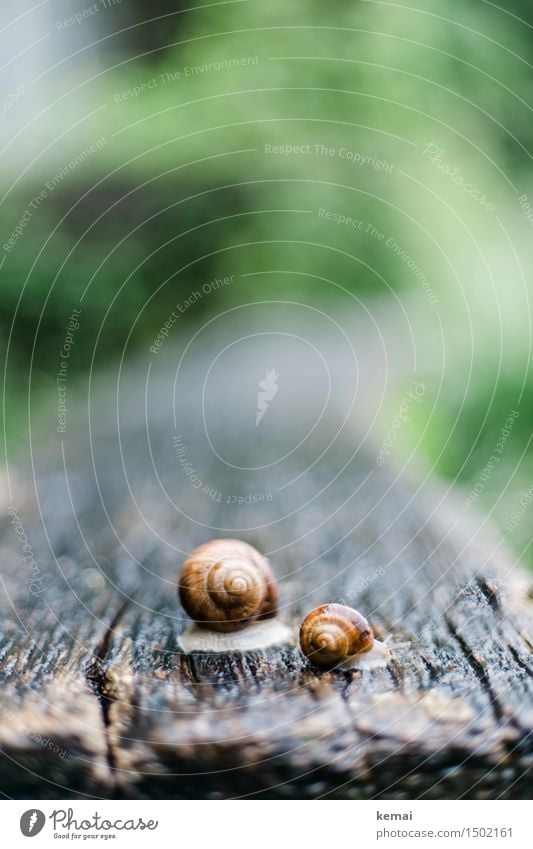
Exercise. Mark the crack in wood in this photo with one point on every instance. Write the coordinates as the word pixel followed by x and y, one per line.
pixel 491 592
pixel 477 667
pixel 102 683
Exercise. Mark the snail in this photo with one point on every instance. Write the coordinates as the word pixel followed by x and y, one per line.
pixel 337 635
pixel 227 586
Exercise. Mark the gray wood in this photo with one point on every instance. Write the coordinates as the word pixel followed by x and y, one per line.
pixel 91 665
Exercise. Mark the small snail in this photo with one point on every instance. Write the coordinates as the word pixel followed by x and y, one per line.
pixel 335 635
pixel 225 585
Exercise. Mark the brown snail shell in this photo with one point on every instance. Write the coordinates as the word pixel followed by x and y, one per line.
pixel 333 633
pixel 225 584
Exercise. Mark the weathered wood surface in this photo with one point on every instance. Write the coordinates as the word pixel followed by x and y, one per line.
pixel 96 699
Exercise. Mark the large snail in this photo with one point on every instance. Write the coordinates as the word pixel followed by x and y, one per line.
pixel 337 635
pixel 225 585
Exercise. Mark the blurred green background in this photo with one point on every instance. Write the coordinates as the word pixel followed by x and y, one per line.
pixel 177 144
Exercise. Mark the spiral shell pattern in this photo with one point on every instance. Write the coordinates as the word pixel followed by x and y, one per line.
pixel 333 633
pixel 226 584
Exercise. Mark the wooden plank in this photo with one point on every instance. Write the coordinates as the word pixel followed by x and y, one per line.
pixel 92 662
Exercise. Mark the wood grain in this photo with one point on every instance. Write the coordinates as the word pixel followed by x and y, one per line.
pixel 92 661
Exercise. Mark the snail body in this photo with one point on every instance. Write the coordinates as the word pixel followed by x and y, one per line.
pixel 225 585
pixel 337 635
